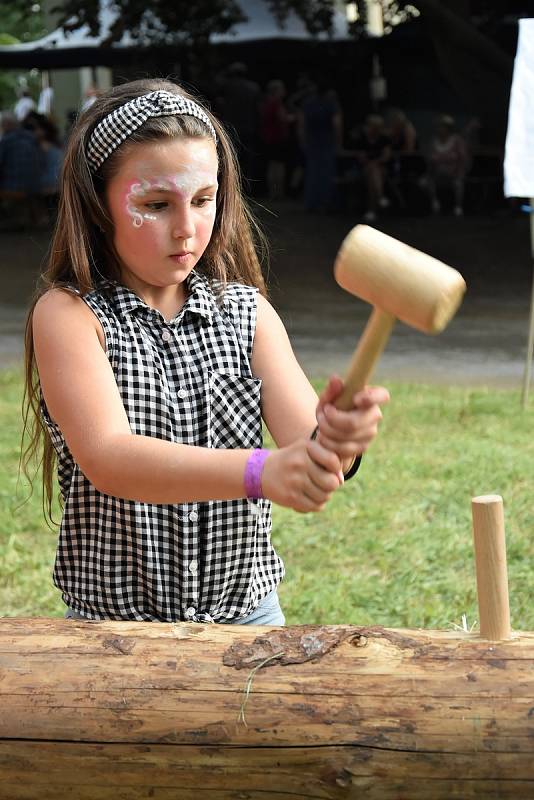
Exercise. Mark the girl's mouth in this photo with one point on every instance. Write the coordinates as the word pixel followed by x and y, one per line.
pixel 180 257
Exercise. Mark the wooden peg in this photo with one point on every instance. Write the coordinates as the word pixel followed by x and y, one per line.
pixel 492 576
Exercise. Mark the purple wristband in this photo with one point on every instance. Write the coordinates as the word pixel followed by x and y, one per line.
pixel 253 473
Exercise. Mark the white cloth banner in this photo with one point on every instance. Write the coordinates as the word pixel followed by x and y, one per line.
pixel 519 151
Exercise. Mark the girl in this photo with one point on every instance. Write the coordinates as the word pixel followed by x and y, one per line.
pixel 156 358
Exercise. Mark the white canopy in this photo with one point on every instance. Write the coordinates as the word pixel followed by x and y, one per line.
pixel 260 25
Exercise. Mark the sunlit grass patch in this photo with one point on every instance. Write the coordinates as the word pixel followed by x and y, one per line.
pixel 394 547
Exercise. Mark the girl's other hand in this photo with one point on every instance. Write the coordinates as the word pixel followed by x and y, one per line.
pixel 349 433
pixel 301 476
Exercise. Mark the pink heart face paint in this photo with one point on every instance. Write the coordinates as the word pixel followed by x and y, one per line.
pixel 162 203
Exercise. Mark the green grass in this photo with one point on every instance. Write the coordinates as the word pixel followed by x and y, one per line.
pixel 26 544
pixel 394 547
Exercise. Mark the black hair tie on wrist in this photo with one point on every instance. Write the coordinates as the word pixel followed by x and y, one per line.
pixel 354 467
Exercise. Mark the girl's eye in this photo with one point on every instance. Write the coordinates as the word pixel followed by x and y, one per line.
pixel 202 201
pixel 158 205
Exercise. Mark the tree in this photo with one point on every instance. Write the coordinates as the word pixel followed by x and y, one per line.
pixel 462 33
pixel 153 21
pixel 20 21
pixel 474 64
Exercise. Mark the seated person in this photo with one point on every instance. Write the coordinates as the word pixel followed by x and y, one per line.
pixel 401 132
pixel 447 164
pixel 372 151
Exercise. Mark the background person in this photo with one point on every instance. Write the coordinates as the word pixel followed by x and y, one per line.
pixel 20 167
pixel 447 164
pixel 274 129
pixel 372 150
pixel 321 130
pixel 401 133
pixel 238 103
pixel 51 159
pixel 24 105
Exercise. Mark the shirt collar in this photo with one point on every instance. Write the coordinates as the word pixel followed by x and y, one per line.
pixel 200 298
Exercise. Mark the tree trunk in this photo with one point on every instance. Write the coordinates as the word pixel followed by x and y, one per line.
pixel 136 710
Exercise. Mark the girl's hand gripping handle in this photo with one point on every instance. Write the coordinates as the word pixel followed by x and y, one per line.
pixel 301 476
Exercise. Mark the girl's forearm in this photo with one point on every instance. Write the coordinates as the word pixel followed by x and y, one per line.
pixel 153 470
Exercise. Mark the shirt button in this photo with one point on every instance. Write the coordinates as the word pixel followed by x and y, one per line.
pixel 182 394
pixel 193 516
pixel 193 567
pixel 166 336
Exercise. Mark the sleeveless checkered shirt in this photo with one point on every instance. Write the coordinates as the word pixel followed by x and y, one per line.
pixel 190 381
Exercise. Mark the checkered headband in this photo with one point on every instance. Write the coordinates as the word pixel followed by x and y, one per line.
pixel 123 121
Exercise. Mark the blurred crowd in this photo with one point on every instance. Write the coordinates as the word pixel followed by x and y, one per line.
pixel 298 143
pixel 31 154
pixel 291 142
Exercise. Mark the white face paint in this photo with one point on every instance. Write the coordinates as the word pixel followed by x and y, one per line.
pixel 187 182
pixel 161 202
pixel 137 192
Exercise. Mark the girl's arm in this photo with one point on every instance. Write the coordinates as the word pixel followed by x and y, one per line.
pixel 291 408
pixel 287 397
pixel 83 399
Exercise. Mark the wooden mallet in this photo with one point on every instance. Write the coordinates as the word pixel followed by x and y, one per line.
pixel 401 283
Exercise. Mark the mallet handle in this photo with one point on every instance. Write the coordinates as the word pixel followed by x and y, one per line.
pixel 490 557
pixel 370 346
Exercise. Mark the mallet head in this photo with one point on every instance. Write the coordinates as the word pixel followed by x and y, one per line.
pixel 399 280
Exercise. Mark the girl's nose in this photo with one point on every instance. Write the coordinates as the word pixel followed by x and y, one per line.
pixel 183 227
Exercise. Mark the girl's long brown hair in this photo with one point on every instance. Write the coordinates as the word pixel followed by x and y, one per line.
pixel 81 251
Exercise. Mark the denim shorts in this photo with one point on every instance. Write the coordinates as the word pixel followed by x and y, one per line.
pixel 268 612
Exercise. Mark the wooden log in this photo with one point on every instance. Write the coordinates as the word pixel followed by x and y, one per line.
pixel 137 710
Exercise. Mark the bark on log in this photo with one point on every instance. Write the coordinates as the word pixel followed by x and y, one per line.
pixel 132 710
